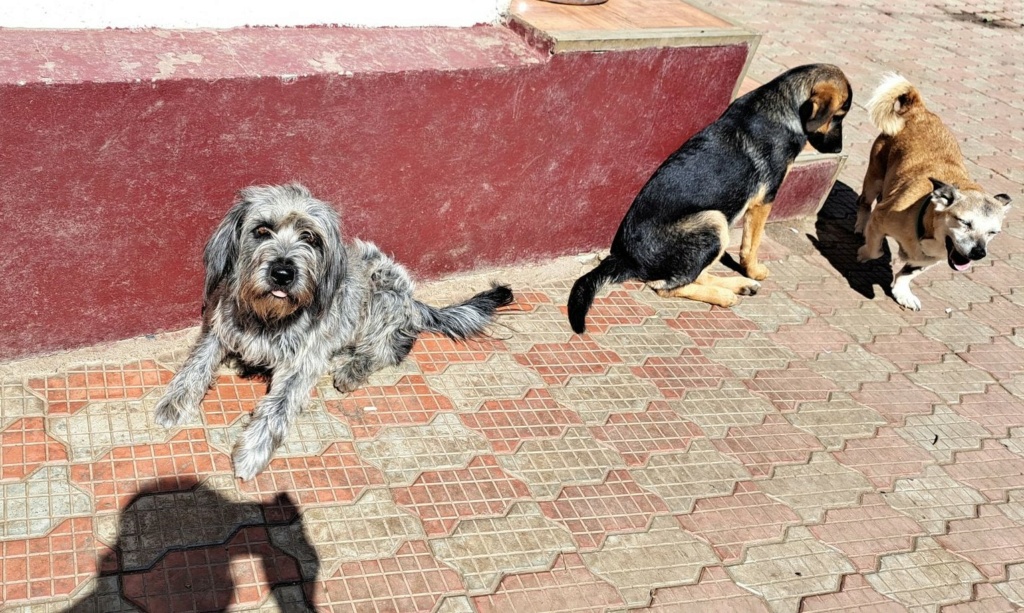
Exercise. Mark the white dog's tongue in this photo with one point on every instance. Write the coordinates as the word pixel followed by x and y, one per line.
pixel 962 267
pixel 281 294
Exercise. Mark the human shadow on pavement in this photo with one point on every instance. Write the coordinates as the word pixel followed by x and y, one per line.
pixel 837 242
pixel 204 548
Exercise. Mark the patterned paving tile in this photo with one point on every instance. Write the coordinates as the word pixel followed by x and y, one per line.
pixel 24 446
pixel 852 367
pixel 744 357
pixel 93 431
pixel 958 331
pixel 411 402
pixel 667 308
pixel 866 321
pixel 569 587
pixel 634 344
pixel 177 464
pixel 960 291
pixel 908 349
pixel 440 498
pixel 402 453
pixel 153 524
pixel 825 296
pixel 1000 314
pixel 714 592
pixel 81 385
pixel 990 541
pixel 507 423
pixel 556 362
pixel 17 402
pixel 484 549
pixel 928 577
pixel 312 433
pixel 546 324
pixel 733 523
pixel 997 409
pixel 617 308
pixel 856 594
pixel 884 458
pixel 690 370
pixel 591 512
pixel 411 580
pixel 663 556
pixel 595 397
pixel 951 378
pixel 371 527
pixel 231 397
pixel 771 311
pixel 811 489
pixel 48 566
pixel 986 600
pixel 764 446
pixel 34 505
pixel 783 573
pixel 95 595
pixel 706 328
pixel 811 338
pixel 435 352
pixel 993 470
pixel 868 531
pixel 786 389
pixel 1013 589
pixel 943 433
pixel 239 572
pixel 837 421
pixel 546 465
pixel 637 435
pixel 469 385
pixel 717 410
pixel 455 604
pixel 337 475
pixel 681 479
pixel 896 399
pixel 933 499
pixel 1000 358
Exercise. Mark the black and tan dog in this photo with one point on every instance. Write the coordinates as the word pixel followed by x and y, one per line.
pixel 678 225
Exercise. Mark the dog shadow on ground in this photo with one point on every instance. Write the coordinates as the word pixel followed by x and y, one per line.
pixel 837 242
pixel 203 548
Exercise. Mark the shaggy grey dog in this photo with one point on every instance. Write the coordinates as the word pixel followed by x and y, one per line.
pixel 286 298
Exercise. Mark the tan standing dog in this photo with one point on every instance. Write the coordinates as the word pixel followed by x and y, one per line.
pixel 928 202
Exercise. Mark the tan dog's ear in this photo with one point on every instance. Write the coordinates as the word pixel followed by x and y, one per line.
pixel 1004 198
pixel 818 109
pixel 943 194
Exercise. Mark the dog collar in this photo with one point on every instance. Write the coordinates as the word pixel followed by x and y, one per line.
pixel 920 218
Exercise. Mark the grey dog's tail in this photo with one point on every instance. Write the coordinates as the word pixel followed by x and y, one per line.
pixel 611 269
pixel 466 319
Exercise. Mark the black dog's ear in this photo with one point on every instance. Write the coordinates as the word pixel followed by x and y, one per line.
pixel 818 109
pixel 222 249
pixel 943 194
pixel 1004 198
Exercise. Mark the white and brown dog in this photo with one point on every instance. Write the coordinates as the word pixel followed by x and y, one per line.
pixel 285 297
pixel 927 201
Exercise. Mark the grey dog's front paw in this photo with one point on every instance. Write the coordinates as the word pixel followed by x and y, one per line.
pixel 171 411
pixel 253 450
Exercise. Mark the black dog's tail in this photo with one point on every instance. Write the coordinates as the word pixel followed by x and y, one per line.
pixel 461 321
pixel 611 269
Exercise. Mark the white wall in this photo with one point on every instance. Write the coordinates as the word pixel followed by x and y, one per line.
pixel 184 14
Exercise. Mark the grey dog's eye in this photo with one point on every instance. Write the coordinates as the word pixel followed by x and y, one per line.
pixel 261 232
pixel 309 237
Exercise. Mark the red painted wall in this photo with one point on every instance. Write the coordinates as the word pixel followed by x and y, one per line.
pixel 109 189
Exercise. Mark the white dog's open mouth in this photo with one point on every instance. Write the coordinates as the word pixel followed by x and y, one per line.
pixel 957 260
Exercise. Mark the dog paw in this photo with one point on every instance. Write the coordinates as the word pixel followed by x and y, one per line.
pixel 861 224
pixel 248 462
pixel 169 413
pixel 907 299
pixel 344 383
pixel 866 254
pixel 757 272
pixel 750 289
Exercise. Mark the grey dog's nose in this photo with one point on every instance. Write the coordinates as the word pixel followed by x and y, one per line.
pixel 282 274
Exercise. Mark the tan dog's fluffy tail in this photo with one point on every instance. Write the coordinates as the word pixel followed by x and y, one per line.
pixel 894 98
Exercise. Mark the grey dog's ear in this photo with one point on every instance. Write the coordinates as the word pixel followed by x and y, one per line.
pixel 943 194
pixel 222 249
pixel 334 268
